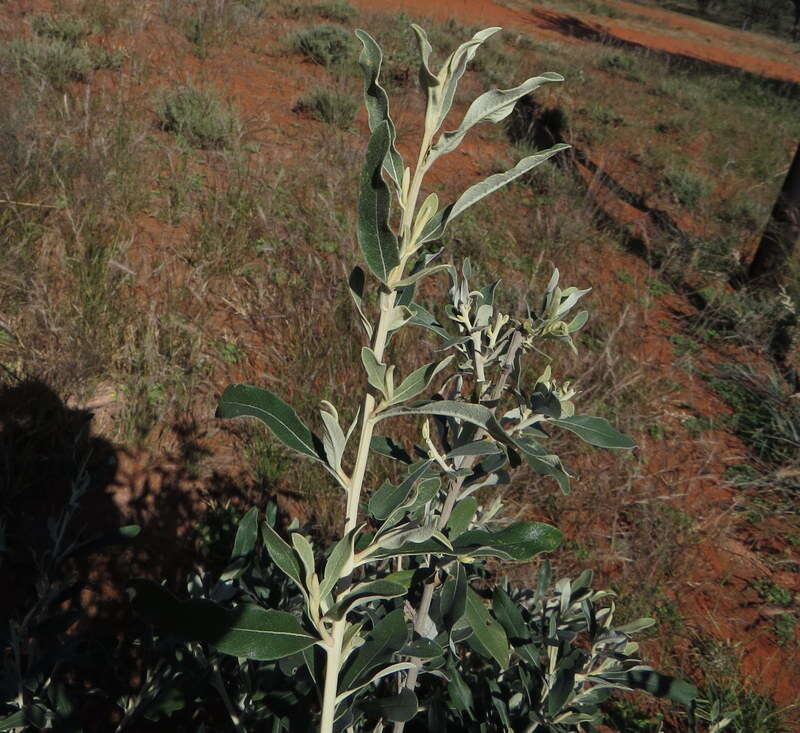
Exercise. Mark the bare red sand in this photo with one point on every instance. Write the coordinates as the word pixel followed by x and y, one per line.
pixel 710 42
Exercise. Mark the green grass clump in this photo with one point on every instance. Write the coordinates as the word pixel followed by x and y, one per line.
pixel 198 116
pixel 329 105
pixel 54 60
pixel 338 11
pixel 623 64
pixel 68 28
pixel 765 417
pixel 323 44
pixel 688 188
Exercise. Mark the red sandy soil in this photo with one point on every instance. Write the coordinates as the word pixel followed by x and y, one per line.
pixel 698 39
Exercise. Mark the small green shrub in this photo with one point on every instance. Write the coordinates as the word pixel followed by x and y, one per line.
pixel 688 188
pixel 623 64
pixel 404 591
pixel 54 60
pixel 67 28
pixel 333 106
pixel 765 417
pixel 339 11
pixel 197 116
pixel 323 44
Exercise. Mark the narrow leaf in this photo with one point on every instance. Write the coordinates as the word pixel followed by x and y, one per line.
pixel 378 242
pixel 376 372
pixel 387 447
pixel 282 555
pixel 241 400
pixel 492 106
pixel 486 630
pixel 386 637
pixel 377 101
pixel 476 192
pixel 595 431
pixel 518 541
pixel 248 631
pixel 356 286
pixel 358 595
pixel 418 381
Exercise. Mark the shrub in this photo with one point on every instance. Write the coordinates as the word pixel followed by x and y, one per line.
pixel 323 44
pixel 335 107
pixel 336 10
pixel 618 63
pixel 404 591
pixel 688 188
pixel 198 116
pixel 67 28
pixel 765 417
pixel 54 60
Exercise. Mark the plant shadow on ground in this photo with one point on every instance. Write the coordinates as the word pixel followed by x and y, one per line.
pixel 68 550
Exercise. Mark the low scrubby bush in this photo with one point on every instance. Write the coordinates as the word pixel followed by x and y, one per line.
pixel 198 116
pixel 323 44
pixel 333 106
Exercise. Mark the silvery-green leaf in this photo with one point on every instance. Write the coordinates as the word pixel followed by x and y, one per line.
pixel 246 631
pixel 486 630
pixel 453 598
pixel 509 616
pixel 425 213
pixel 377 240
pixel 377 101
pixel 419 495
pixel 467 412
pixel 385 672
pixel 578 322
pixel 333 440
pixel 595 431
pixel 306 552
pixel 476 192
pixel 376 372
pixel 426 77
pixel 519 541
pixel 243 545
pixel 246 534
pixel 399 318
pixel 358 595
pixel 422 317
pixel 492 106
pixel 356 287
pixel 388 497
pixel 387 636
pixel 241 400
pixel 454 69
pixel 415 276
pixel 634 627
pixel 339 563
pixel 661 685
pixel 418 381
pixel 543 462
pixel 389 448
pixel 282 555
pixel 461 517
pixel 400 544
pixel 485 447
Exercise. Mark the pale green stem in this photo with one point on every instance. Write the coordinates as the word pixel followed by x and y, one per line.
pixel 334 650
pixel 332 677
